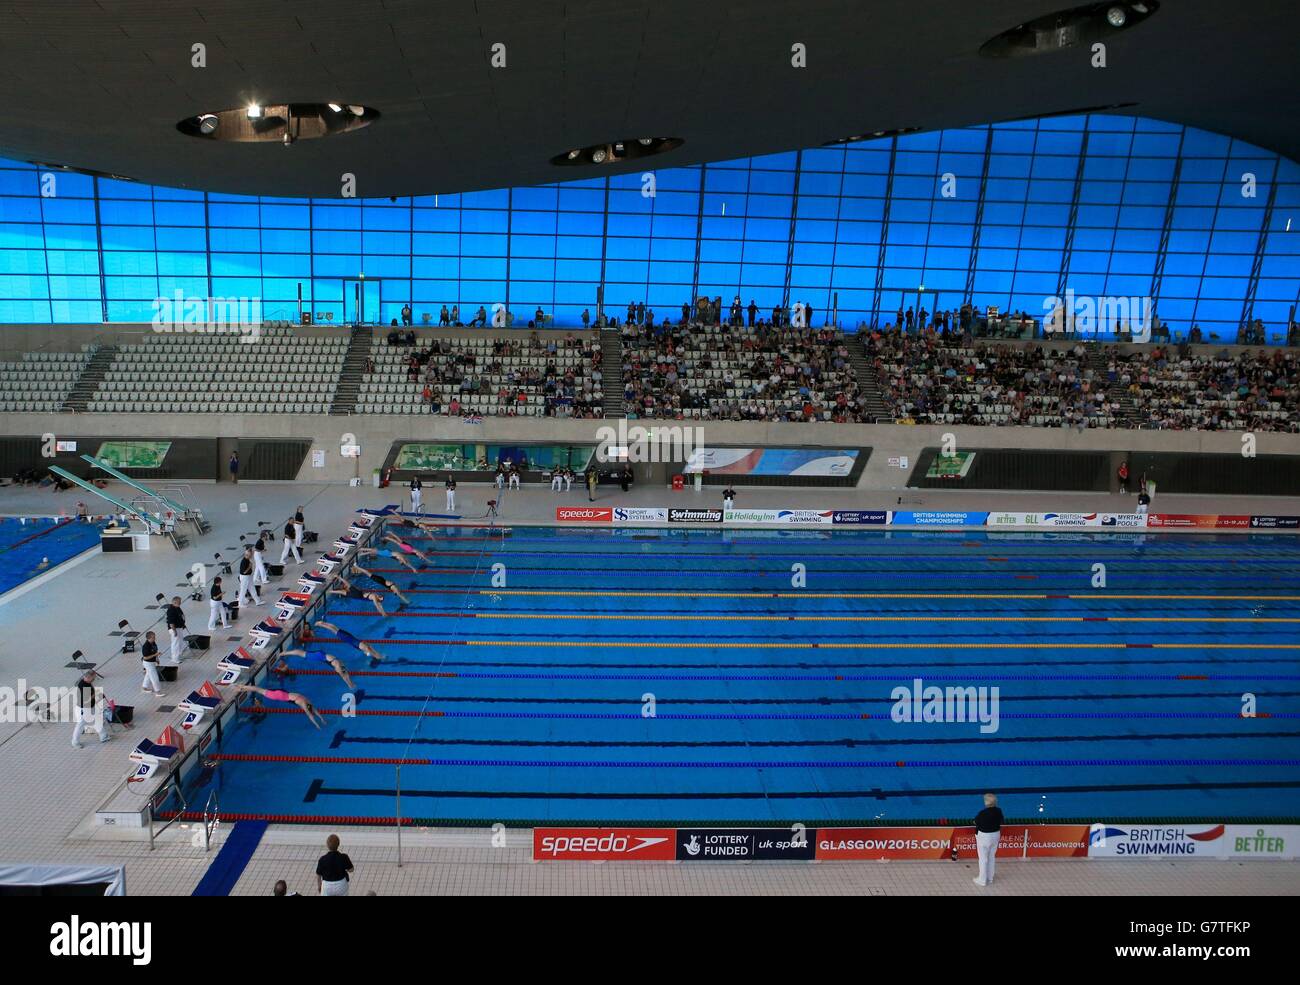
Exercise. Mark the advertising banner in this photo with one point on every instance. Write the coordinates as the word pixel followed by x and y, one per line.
pixel 134 454
pixel 604 845
pixel 584 514
pixel 633 514
pixel 772 461
pixel 1199 521
pixel 746 844
pixel 1058 520
pixel 1275 522
pixel 954 466
pixel 875 517
pixel 1262 841
pixel 802 518
pixel 1156 841
pixel 907 518
pixel 695 516
pixel 1055 840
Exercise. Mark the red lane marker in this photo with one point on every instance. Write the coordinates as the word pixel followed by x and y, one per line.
pixel 395 713
pixel 1192 677
pixel 1096 618
pixel 1139 646
pixel 899 763
pixel 997 559
pixel 380 673
pixel 1058 596
pixel 1026 577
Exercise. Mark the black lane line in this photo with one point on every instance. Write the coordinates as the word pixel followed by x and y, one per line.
pixel 317 789
pixel 1234 696
pixel 342 738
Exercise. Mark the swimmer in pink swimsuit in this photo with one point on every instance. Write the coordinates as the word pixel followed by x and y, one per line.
pixel 404 547
pixel 287 696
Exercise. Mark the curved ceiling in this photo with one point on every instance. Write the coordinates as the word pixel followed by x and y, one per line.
pixel 102 84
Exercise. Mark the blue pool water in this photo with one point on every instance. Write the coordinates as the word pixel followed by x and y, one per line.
pixel 30 546
pixel 771 703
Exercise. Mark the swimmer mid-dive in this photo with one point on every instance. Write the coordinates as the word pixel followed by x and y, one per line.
pixel 292 697
pixel 381 580
pixel 346 637
pixel 393 553
pixel 348 590
pixel 318 656
pixel 404 547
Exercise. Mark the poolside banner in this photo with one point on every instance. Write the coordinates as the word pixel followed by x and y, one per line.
pixel 874 517
pixel 1157 841
pixel 801 518
pixel 746 844
pixel 904 844
pixel 907 518
pixel 584 514
pixel 695 516
pixel 1000 519
pixel 1200 521
pixel 633 514
pixel 604 845
pixel 1054 840
pixel 1275 522
pixel 1262 841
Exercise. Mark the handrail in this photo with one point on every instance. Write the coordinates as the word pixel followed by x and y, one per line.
pixel 145 518
pixel 101 465
pixel 211 810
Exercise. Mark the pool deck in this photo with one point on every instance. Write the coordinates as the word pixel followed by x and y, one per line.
pixel 51 790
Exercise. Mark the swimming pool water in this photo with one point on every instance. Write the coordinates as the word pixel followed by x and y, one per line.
pixel 30 546
pixel 644 675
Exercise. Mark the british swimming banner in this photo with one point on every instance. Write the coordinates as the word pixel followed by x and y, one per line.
pixel 999 519
pixel 937 518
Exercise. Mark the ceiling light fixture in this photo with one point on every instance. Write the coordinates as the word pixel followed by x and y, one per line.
pixel 598 155
pixel 1116 17
pixel 208 123
pixel 254 111
pixel 356 110
pixel 335 107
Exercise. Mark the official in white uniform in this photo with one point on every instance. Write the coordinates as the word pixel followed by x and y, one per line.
pixel 988 832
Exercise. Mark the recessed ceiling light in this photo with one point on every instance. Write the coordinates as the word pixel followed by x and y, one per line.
pixel 573 154
pixel 598 155
pixel 208 123
pixel 356 110
pixel 646 141
pixel 335 107
pixel 1116 16
pixel 254 111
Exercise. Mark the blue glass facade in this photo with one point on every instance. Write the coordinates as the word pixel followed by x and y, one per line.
pixel 1004 215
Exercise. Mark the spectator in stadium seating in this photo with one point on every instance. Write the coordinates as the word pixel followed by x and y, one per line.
pixel 444 316
pixel 406 314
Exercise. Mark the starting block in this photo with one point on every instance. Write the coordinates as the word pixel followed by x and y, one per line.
pixel 198 703
pixel 265 631
pixel 148 756
pixel 343 545
pixel 326 565
pixel 234 666
pixel 311 581
pixel 290 604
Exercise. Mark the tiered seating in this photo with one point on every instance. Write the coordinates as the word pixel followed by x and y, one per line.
pixel 40 381
pixel 718 372
pixel 277 373
pixel 483 375
pixel 928 382
pixel 1249 391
